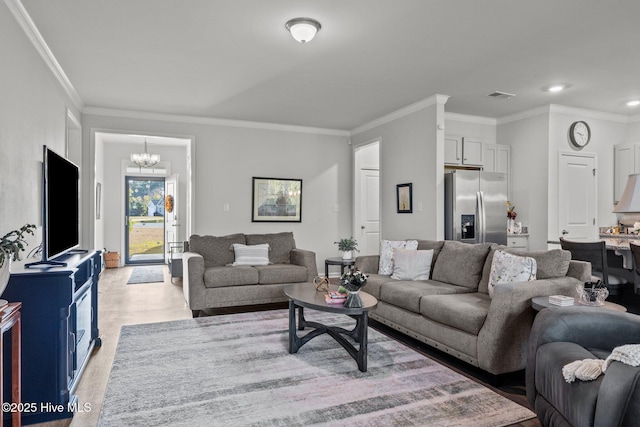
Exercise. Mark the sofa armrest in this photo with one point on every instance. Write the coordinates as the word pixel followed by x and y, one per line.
pixel 193 280
pixel 589 327
pixel 503 339
pixel 581 270
pixel 368 264
pixel 307 259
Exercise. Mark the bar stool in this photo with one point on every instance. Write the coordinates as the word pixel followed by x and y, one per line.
pixel 593 252
pixel 635 252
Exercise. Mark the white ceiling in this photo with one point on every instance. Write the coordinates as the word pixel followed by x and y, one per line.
pixel 233 59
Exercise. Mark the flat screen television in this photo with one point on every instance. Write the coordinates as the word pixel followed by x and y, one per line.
pixel 60 207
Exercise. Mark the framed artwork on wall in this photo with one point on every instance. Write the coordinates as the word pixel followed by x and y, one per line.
pixel 276 200
pixel 404 198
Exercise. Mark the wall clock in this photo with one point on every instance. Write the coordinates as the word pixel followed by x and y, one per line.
pixel 579 134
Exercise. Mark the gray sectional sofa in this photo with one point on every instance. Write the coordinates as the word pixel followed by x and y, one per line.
pixel 453 311
pixel 210 281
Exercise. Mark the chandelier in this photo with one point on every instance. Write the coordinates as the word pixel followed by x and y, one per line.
pixel 145 160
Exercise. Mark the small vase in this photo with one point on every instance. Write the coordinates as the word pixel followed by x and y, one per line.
pixel 347 254
pixel 353 300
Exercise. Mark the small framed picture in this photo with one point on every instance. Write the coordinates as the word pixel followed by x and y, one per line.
pixel 276 200
pixel 404 198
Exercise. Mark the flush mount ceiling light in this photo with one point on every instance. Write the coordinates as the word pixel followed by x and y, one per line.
pixel 145 160
pixel 556 88
pixel 303 29
pixel 633 103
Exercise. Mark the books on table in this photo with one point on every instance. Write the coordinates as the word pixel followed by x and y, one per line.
pixel 335 297
pixel 561 300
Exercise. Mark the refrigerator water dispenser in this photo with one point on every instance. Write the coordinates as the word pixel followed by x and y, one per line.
pixel 468 223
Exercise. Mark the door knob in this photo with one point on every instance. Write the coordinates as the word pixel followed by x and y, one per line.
pixel 564 232
pixel 362 227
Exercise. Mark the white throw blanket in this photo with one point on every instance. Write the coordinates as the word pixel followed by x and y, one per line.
pixel 590 369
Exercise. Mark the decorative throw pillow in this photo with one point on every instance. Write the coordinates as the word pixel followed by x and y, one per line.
pixel 251 254
pixel 385 266
pixel 411 265
pixel 508 268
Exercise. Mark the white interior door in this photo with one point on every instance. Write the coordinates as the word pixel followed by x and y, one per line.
pixel 577 204
pixel 369 240
pixel 171 218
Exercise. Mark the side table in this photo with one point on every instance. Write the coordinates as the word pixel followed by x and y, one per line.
pixel 538 303
pixel 10 320
pixel 343 263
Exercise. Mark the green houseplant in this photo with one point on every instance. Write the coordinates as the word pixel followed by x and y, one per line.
pixel 11 245
pixel 347 246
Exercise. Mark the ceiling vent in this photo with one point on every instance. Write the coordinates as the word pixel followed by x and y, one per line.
pixel 501 95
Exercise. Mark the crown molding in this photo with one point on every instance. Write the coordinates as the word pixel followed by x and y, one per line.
pixel 130 114
pixel 470 119
pixel 409 109
pixel 590 114
pixel 29 27
pixel 545 109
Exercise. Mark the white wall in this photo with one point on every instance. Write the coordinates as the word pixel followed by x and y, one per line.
pixel 633 130
pixel 33 110
pixel 529 141
pixel 226 158
pixel 482 128
pixel 409 154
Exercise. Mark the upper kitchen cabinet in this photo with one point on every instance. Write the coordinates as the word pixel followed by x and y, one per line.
pixel 626 161
pixel 497 158
pixel 463 151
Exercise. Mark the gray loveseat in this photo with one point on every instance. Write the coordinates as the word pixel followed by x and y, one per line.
pixel 210 281
pixel 453 312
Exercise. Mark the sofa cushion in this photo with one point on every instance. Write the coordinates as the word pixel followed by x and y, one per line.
pixel 466 312
pixel 576 401
pixel 374 283
pixel 436 245
pixel 251 254
pixel 411 265
pixel 281 273
pixel 216 251
pixel 406 294
pixel 550 264
pixel 219 277
pixel 386 253
pixel 280 245
pixel 509 268
pixel 460 263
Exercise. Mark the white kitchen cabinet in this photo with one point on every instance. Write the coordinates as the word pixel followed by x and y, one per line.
pixel 626 161
pixel 463 151
pixel 518 241
pixel 497 158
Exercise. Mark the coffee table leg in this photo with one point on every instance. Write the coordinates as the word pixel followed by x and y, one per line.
pixel 293 337
pixel 362 339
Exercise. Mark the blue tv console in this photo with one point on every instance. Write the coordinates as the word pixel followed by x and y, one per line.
pixel 59 332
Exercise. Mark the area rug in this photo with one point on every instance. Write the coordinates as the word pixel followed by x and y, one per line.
pixel 146 274
pixel 235 370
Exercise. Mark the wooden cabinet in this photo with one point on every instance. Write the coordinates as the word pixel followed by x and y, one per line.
pixel 626 161
pixel 497 158
pixel 518 241
pixel 59 330
pixel 463 151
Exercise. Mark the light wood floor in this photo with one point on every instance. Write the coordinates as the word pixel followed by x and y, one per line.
pixel 121 304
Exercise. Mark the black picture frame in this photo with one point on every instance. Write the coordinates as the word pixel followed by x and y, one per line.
pixel 404 198
pixel 276 200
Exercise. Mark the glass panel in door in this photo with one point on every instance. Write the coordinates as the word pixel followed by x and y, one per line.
pixel 144 220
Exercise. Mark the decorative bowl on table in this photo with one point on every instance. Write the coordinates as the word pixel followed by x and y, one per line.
pixel 592 294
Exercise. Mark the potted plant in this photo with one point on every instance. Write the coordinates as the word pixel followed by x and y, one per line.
pixel 347 246
pixel 11 245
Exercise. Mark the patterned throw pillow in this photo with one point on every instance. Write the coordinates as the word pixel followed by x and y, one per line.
pixel 411 265
pixel 508 268
pixel 385 266
pixel 251 254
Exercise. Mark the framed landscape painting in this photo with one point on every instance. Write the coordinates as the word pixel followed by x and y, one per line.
pixel 404 198
pixel 276 200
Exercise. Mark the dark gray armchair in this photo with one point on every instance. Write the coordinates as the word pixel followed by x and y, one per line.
pixel 561 335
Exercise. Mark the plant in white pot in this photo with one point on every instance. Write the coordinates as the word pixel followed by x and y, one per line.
pixel 11 245
pixel 347 246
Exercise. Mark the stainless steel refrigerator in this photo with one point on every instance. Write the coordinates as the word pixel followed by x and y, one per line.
pixel 476 206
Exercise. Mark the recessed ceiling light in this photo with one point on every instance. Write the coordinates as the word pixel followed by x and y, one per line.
pixel 556 88
pixel 633 103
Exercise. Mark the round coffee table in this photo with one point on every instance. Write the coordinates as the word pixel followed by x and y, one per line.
pixel 538 303
pixel 303 295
